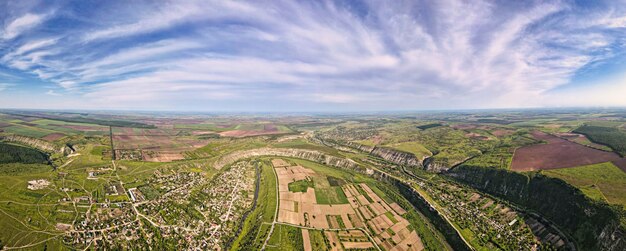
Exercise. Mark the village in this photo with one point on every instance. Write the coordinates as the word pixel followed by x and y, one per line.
pixel 176 208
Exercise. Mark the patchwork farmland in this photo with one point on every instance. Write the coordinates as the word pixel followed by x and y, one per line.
pixel 352 215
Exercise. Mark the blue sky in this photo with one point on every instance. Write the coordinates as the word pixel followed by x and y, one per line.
pixel 311 55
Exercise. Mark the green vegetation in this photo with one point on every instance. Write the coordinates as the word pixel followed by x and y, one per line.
pixel 22 169
pixel 609 136
pixel 10 153
pixel 28 131
pixel 149 192
pixel 604 182
pixel 390 216
pixel 256 227
pixel 318 240
pixel 330 195
pixel 300 186
pixel 501 155
pixel 449 146
pixel 286 238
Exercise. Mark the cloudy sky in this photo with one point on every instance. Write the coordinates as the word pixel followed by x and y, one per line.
pixel 311 55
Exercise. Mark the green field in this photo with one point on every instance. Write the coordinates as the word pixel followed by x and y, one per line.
pixel 286 238
pixel 28 131
pixel 300 186
pixel 604 181
pixel 318 240
pixel 330 195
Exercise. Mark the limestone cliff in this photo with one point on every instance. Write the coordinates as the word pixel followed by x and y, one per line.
pixel 286 152
pixel 388 154
pixel 35 143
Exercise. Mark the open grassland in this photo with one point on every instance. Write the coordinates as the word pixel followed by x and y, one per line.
pixel 603 181
pixel 28 217
pixel 286 238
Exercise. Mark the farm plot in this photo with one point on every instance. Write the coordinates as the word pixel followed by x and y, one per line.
pixel 557 153
pixel 604 182
pixel 352 215
pixel 156 145
pixel 255 130
pixel 582 139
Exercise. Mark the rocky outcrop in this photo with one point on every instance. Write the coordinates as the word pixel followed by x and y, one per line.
pixel 35 143
pixel 286 152
pixel 360 147
pixel 439 165
pixel 397 157
pixel 388 154
pixel 431 164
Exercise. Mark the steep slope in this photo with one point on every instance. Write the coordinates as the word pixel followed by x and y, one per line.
pixel 592 225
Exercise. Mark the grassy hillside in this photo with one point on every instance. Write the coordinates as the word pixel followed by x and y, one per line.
pixel 604 182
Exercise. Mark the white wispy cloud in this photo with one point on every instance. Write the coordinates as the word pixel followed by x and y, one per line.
pixel 21 24
pixel 414 54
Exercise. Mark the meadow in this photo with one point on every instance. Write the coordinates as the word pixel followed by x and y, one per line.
pixel 603 182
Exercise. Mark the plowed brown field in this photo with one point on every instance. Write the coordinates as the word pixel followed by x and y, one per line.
pixel 557 153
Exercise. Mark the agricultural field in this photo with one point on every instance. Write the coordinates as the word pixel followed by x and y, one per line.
pixel 603 182
pixel 313 202
pixel 557 153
